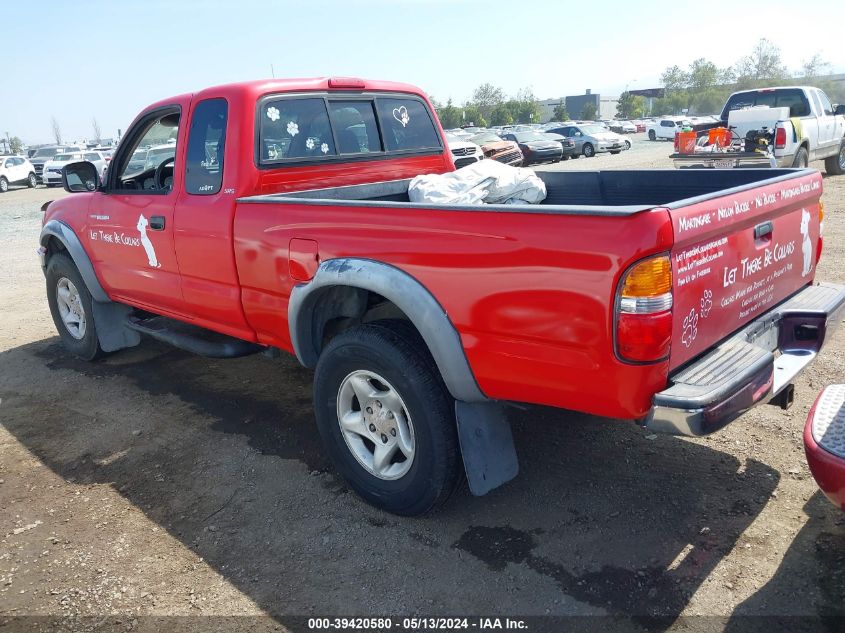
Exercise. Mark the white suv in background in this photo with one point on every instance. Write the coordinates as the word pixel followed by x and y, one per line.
pixel 665 128
pixel 16 170
pixel 52 173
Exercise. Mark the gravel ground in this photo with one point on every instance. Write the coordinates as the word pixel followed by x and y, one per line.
pixel 155 483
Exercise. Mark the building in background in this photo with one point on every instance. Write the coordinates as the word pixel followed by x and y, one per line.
pixel 605 106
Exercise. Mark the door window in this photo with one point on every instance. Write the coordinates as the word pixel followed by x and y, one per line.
pixel 148 163
pixel 206 145
pixel 827 107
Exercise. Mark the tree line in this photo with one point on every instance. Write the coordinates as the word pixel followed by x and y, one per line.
pixel 490 106
pixel 703 87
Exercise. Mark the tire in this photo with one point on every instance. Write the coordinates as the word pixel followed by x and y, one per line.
pixel 588 150
pixel 802 158
pixel 835 165
pixel 565 158
pixel 652 135
pixel 393 366
pixel 614 152
pixel 32 181
pixel 4 185
pixel 627 144
pixel 74 302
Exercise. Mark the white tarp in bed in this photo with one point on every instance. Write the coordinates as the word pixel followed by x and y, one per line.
pixel 486 181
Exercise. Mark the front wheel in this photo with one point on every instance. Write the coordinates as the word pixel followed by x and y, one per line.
pixel 616 151
pixel 652 135
pixel 31 182
pixel 627 144
pixel 588 151
pixel 387 420
pixel 71 308
pixel 835 165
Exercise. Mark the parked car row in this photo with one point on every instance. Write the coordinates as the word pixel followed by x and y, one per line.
pixel 45 165
pixel 528 144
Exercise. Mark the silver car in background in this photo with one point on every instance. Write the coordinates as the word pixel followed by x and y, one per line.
pixel 591 139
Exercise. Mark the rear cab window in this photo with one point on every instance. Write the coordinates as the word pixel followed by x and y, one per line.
pixel 792 98
pixel 337 127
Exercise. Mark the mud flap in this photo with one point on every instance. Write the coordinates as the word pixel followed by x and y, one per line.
pixel 109 318
pixel 486 445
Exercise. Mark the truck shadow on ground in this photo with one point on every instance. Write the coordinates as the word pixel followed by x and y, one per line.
pixel 602 519
pixel 810 579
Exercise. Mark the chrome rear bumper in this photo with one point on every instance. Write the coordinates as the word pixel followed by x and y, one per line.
pixel 751 367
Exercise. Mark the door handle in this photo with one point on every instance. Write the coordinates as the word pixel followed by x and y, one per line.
pixel 157 223
pixel 763 229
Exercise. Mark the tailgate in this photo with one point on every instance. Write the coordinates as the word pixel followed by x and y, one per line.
pixel 737 255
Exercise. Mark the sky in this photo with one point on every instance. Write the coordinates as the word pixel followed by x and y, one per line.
pixel 81 59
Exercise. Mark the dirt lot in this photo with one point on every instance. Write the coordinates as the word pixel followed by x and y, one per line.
pixel 159 483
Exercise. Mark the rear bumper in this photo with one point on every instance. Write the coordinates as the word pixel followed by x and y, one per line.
pixel 751 367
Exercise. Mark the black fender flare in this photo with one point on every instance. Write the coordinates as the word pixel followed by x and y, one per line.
pixel 109 316
pixel 408 294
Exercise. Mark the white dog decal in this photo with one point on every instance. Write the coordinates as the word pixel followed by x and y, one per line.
pixel 146 243
pixel 806 245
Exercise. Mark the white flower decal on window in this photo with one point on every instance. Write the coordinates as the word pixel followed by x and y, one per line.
pixel 293 128
pixel 401 115
pixel 324 148
pixel 309 144
pixel 273 113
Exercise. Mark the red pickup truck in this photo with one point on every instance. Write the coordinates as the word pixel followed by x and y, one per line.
pixel 275 216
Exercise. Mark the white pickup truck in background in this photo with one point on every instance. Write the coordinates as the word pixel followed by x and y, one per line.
pixel 806 125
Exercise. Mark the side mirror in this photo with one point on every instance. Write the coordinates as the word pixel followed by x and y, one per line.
pixel 839 109
pixel 81 176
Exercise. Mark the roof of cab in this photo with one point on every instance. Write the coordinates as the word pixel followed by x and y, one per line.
pixel 256 89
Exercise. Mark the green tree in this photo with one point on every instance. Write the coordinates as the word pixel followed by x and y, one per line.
pixel 16 145
pixel 527 108
pixel 501 115
pixel 702 74
pixel 630 106
pixel 486 97
pixel 449 115
pixel 674 78
pixel 588 112
pixel 473 116
pixel 559 113
pixel 762 67
pixel 812 68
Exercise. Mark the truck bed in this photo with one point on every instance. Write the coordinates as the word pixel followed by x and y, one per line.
pixel 568 193
pixel 532 289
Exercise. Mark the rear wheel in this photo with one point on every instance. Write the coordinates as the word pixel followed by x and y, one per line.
pixel 627 144
pixel 71 308
pixel 387 420
pixel 802 158
pixel 835 165
pixel 588 150
pixel 31 181
pixel 652 135
pixel 4 185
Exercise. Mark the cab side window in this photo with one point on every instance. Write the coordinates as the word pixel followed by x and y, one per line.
pixel 206 145
pixel 295 128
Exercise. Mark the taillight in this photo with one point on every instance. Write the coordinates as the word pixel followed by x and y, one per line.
pixel 644 311
pixel 821 233
pixel 780 138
